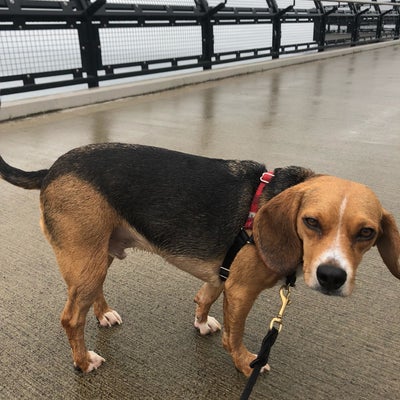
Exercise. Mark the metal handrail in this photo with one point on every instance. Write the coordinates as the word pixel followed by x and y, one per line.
pixel 376 3
pixel 89 28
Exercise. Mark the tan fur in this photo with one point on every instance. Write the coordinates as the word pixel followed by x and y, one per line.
pixel 249 276
pixel 86 234
pixel 79 224
pixel 205 270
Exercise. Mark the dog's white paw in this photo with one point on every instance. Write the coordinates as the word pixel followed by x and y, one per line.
pixel 265 368
pixel 110 318
pixel 205 328
pixel 95 361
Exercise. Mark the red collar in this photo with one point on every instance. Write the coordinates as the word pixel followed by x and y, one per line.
pixel 265 178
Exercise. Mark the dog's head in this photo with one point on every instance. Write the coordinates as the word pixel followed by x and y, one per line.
pixel 326 224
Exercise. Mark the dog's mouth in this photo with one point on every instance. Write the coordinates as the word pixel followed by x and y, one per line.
pixel 327 292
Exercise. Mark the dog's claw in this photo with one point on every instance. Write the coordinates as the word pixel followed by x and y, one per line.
pixel 205 328
pixel 110 318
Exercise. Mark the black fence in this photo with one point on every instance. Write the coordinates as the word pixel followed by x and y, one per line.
pixel 47 44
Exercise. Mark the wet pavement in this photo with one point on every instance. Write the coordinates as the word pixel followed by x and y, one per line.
pixel 339 116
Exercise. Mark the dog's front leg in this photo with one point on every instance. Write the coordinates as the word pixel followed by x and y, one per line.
pixel 248 277
pixel 237 304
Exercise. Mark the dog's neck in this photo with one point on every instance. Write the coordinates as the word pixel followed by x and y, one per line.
pixel 283 179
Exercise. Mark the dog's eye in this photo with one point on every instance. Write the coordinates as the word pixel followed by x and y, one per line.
pixel 312 223
pixel 366 234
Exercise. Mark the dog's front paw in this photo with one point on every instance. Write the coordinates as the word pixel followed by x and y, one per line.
pixel 93 362
pixel 110 318
pixel 210 326
pixel 243 364
pixel 265 368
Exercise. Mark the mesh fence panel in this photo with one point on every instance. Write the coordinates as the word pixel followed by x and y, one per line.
pixel 241 3
pixel 302 32
pixel 128 45
pixel 30 51
pixel 298 4
pixel 155 2
pixel 242 37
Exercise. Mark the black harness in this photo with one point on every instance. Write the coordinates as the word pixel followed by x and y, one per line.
pixel 241 240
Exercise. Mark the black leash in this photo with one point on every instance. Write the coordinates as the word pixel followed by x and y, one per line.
pixel 269 339
pixel 260 361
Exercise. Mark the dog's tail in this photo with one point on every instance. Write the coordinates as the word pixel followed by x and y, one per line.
pixel 24 179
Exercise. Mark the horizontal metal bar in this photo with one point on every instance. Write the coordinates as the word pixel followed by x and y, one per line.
pixel 48 74
pixel 149 71
pixel 44 86
pixel 375 3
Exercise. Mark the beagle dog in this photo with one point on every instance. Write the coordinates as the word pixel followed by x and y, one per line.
pixel 98 200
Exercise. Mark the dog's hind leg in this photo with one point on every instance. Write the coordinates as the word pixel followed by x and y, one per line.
pixel 79 222
pixel 104 313
pixel 84 276
pixel 205 297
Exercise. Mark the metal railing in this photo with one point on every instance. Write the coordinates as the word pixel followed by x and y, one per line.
pixel 47 44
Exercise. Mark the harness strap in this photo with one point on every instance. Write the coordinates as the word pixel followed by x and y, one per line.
pixel 243 238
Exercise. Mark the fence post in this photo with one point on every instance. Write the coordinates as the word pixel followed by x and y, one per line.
pixel 89 41
pixel 355 32
pixel 207 30
pixel 380 23
pixel 277 26
pixel 320 24
pixel 207 33
pixel 397 26
pixel 276 29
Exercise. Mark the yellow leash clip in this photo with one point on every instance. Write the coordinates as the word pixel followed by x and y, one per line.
pixel 284 292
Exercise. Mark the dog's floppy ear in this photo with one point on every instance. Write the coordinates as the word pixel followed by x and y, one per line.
pixel 388 244
pixel 275 232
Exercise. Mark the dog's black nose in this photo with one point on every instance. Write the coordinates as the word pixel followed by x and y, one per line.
pixel 330 277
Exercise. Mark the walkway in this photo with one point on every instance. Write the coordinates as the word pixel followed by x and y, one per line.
pixel 339 116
